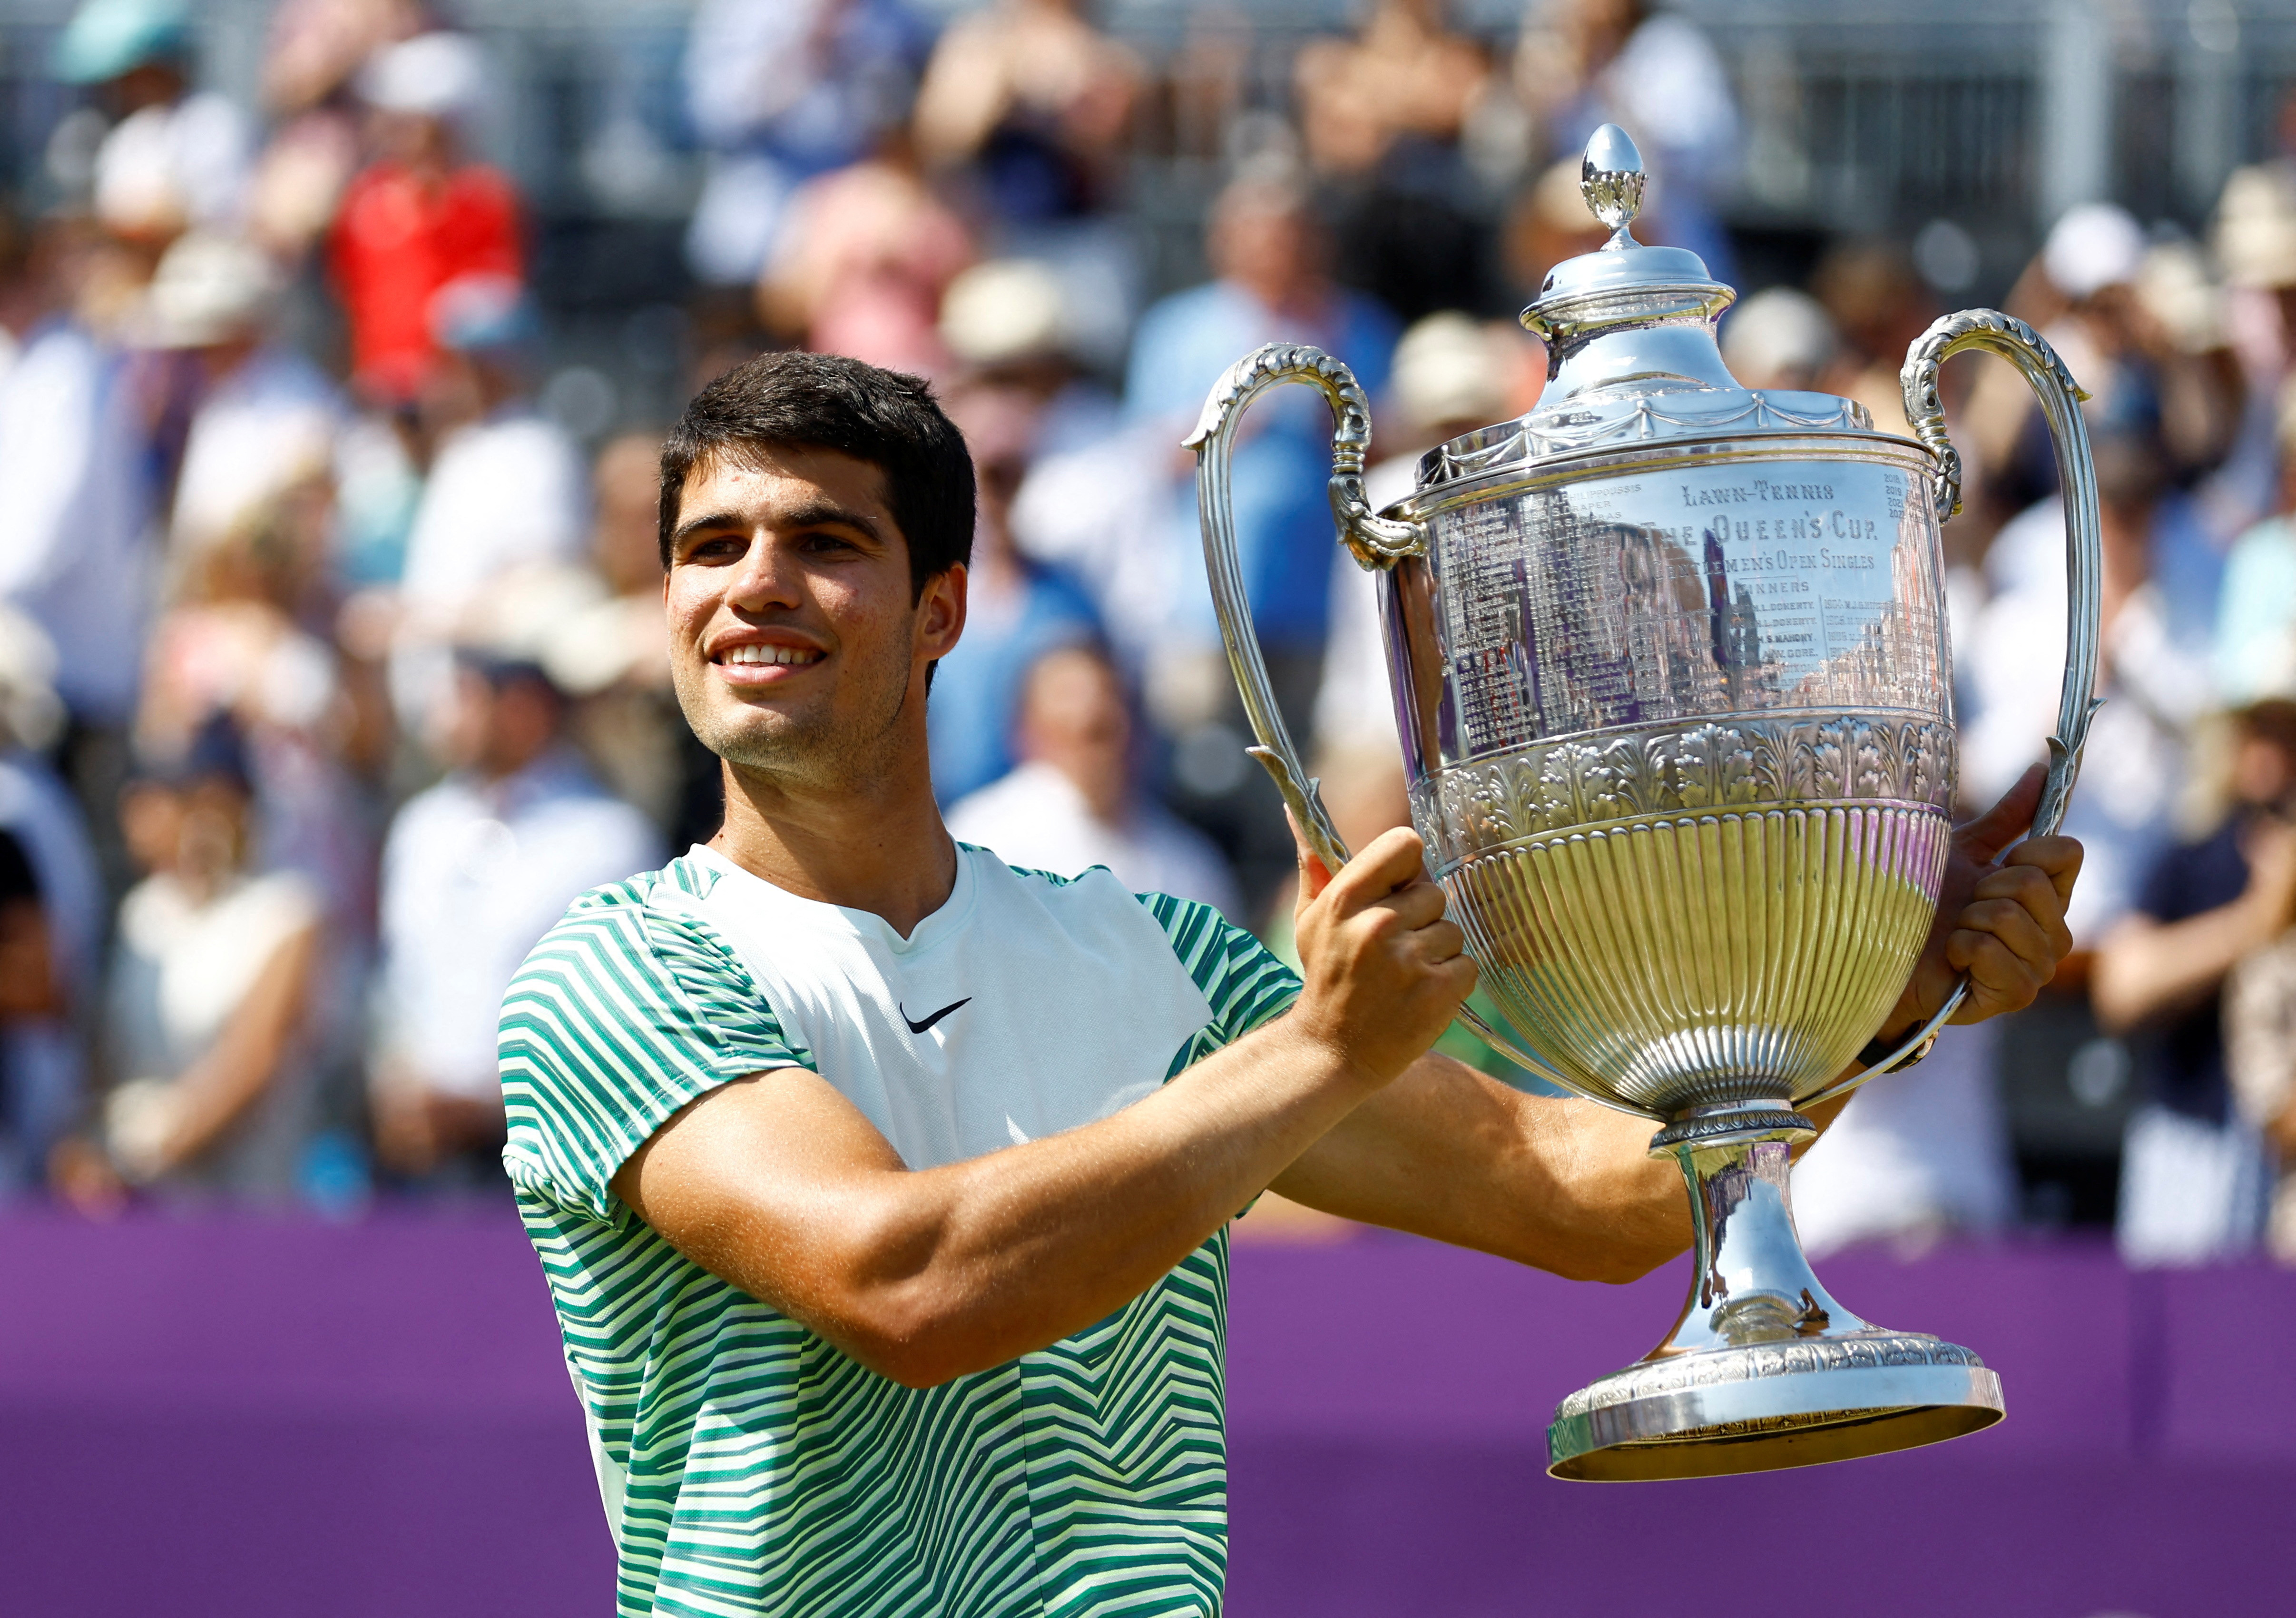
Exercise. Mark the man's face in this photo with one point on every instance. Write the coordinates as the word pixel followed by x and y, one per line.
pixel 795 645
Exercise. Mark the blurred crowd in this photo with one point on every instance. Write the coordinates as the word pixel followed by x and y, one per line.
pixel 331 665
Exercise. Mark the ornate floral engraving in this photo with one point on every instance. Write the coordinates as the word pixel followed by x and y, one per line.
pixel 1741 763
pixel 1859 1350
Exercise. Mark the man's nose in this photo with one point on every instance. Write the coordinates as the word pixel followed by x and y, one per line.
pixel 768 577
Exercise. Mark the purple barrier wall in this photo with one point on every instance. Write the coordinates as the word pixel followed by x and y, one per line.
pixel 257 1418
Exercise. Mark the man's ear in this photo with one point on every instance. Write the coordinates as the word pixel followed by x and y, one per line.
pixel 940 613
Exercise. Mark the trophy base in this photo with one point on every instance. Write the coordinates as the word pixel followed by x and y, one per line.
pixel 1763 1370
pixel 1725 1411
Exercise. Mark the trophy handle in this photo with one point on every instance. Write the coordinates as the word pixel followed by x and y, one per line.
pixel 1374 541
pixel 2061 399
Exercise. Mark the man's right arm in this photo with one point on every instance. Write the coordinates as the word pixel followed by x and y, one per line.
pixel 777 1184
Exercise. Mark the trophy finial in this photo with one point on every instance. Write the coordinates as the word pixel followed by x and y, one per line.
pixel 1611 179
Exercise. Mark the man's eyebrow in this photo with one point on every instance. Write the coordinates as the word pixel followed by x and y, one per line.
pixel 819 514
pixel 828 513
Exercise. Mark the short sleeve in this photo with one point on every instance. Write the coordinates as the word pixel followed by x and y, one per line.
pixel 622 1014
pixel 1247 985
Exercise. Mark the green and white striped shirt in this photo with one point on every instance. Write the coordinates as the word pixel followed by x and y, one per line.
pixel 750 1467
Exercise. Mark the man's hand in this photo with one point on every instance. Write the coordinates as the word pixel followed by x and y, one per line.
pixel 2000 920
pixel 1384 973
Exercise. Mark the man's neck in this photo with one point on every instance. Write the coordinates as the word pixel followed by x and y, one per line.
pixel 878 847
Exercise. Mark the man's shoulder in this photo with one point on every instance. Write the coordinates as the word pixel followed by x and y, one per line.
pixel 635 918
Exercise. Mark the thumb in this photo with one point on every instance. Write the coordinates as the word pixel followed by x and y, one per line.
pixel 1314 875
pixel 1983 838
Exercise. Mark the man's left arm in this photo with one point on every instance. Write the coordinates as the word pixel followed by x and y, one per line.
pixel 1568 1186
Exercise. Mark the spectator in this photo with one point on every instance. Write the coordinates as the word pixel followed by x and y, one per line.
pixel 1546 223
pixel 474 871
pixel 1015 611
pixel 1035 103
pixel 265 418
pixel 1267 255
pixel 1452 375
pixel 1037 99
pixel 2154 674
pixel 2193 1185
pixel 314 50
pixel 1382 115
pixel 211 985
pixel 31 996
pixel 43 1066
pixel 613 655
pixel 75 503
pixel 421 216
pixel 1915 1158
pixel 1779 338
pixel 176 158
pixel 863 264
pixel 1582 63
pixel 506 487
pixel 1074 801
pixel 1007 322
pixel 1880 306
pixel 781 92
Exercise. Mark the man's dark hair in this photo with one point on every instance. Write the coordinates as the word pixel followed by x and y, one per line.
pixel 827 401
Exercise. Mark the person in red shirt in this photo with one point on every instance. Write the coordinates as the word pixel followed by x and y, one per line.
pixel 419 215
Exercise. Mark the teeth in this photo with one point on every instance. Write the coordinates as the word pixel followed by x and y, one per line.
pixel 768 654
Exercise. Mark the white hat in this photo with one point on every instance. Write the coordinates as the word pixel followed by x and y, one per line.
pixel 1777 331
pixel 1448 369
pixel 432 75
pixel 207 289
pixel 2092 247
pixel 1005 310
pixel 2256 227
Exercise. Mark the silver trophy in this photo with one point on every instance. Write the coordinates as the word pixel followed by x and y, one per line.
pixel 1675 700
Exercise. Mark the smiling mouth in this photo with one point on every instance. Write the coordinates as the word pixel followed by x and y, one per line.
pixel 766 657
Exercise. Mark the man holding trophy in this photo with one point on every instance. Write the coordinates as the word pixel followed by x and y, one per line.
pixel 883 1189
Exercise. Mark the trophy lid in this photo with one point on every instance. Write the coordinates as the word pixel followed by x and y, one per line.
pixel 1631 351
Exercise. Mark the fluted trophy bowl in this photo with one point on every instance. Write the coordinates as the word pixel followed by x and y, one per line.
pixel 1675 696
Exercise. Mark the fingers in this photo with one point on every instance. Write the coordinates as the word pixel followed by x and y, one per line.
pixel 2032 892
pixel 1984 838
pixel 1389 861
pixel 1314 875
pixel 2059 859
pixel 2010 937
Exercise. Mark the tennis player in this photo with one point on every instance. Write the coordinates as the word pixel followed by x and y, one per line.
pixel 883 1189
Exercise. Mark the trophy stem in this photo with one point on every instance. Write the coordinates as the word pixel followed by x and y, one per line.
pixel 1763 1369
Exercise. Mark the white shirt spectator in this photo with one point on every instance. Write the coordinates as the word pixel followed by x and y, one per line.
pixel 473 873
pixel 74 510
pixel 2155 689
pixel 180 970
pixel 162 168
pixel 506 492
pixel 1036 818
pixel 265 427
pixel 1913 1154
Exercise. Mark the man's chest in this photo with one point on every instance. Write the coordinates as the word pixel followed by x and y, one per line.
pixel 1028 1021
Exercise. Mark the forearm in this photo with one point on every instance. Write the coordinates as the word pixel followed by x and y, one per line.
pixel 926 1275
pixel 1448 1153
pixel 2146 969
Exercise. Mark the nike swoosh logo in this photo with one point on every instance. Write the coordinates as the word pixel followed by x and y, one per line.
pixel 918 1028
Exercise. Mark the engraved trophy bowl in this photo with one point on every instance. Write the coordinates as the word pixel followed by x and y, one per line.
pixel 1675 696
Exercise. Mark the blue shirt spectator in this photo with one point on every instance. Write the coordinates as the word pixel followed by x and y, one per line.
pixel 1266 251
